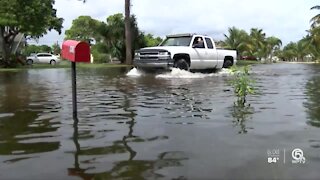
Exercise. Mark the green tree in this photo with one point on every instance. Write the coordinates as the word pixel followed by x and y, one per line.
pixel 307 46
pixel 257 42
pixel 313 37
pixel 33 18
pixel 301 50
pixel 129 37
pixel 254 44
pixel 112 35
pixel 31 49
pixel 316 19
pixel 36 49
pixel 109 36
pixel 152 41
pixel 289 51
pixel 272 45
pixel 83 28
pixel 236 39
pixel 313 42
pixel 295 51
pixel 55 48
pixel 45 48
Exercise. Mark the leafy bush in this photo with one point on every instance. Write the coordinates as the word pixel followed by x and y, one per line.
pixel 100 57
pixel 99 53
pixel 29 49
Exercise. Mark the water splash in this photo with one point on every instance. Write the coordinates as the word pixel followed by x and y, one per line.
pixel 134 73
pixel 178 73
pixel 224 72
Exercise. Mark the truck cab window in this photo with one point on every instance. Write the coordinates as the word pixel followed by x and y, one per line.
pixel 209 43
pixel 198 42
pixel 176 41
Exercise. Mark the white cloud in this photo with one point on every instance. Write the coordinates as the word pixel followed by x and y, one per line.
pixel 286 19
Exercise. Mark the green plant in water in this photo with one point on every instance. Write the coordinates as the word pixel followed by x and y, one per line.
pixel 242 83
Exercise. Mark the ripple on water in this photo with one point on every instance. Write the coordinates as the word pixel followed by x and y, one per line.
pixel 3 115
pixel 128 125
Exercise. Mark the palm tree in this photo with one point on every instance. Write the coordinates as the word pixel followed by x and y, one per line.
pixel 302 50
pixel 289 52
pixel 316 19
pixel 272 44
pixel 236 40
pixel 313 40
pixel 314 34
pixel 258 43
pixel 296 51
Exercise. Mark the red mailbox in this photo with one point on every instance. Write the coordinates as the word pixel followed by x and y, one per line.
pixel 76 51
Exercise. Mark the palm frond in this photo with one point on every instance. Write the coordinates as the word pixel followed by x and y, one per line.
pixel 315 21
pixel 315 7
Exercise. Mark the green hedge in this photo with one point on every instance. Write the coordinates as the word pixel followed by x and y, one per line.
pixel 100 57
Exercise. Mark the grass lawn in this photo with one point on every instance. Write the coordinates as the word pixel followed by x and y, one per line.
pixel 63 64
pixel 247 62
pixel 67 64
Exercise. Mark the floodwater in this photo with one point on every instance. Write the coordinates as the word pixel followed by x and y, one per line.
pixel 176 125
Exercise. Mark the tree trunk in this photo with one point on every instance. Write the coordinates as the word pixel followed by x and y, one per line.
pixel 271 56
pixel 3 44
pixel 128 33
pixel 6 45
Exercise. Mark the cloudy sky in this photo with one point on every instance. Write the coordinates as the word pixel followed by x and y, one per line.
pixel 285 19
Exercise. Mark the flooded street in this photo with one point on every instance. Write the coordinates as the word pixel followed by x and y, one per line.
pixel 176 125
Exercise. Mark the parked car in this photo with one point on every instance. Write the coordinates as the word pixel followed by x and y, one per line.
pixel 44 58
pixel 253 58
pixel 185 51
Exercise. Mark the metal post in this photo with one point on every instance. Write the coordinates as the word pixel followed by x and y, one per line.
pixel 74 90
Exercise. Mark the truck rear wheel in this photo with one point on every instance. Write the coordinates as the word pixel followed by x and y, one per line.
pixel 227 63
pixel 181 64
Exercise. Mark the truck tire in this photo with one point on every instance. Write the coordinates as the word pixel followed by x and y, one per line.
pixel 181 64
pixel 227 63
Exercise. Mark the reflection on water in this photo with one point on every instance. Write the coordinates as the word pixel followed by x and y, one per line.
pixel 23 130
pixel 176 125
pixel 16 138
pixel 241 114
pixel 313 103
pixel 130 168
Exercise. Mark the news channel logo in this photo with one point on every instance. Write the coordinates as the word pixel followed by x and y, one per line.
pixel 297 156
pixel 277 155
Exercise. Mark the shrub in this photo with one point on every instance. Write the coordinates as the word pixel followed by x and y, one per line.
pixel 242 83
pixel 100 53
pixel 100 57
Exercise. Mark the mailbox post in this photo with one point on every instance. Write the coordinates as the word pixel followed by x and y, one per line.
pixel 75 51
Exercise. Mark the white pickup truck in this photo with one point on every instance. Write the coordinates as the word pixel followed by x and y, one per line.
pixel 184 51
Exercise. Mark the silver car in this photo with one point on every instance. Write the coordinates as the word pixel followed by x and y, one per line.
pixel 44 58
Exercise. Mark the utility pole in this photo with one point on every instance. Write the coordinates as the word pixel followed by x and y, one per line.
pixel 128 33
